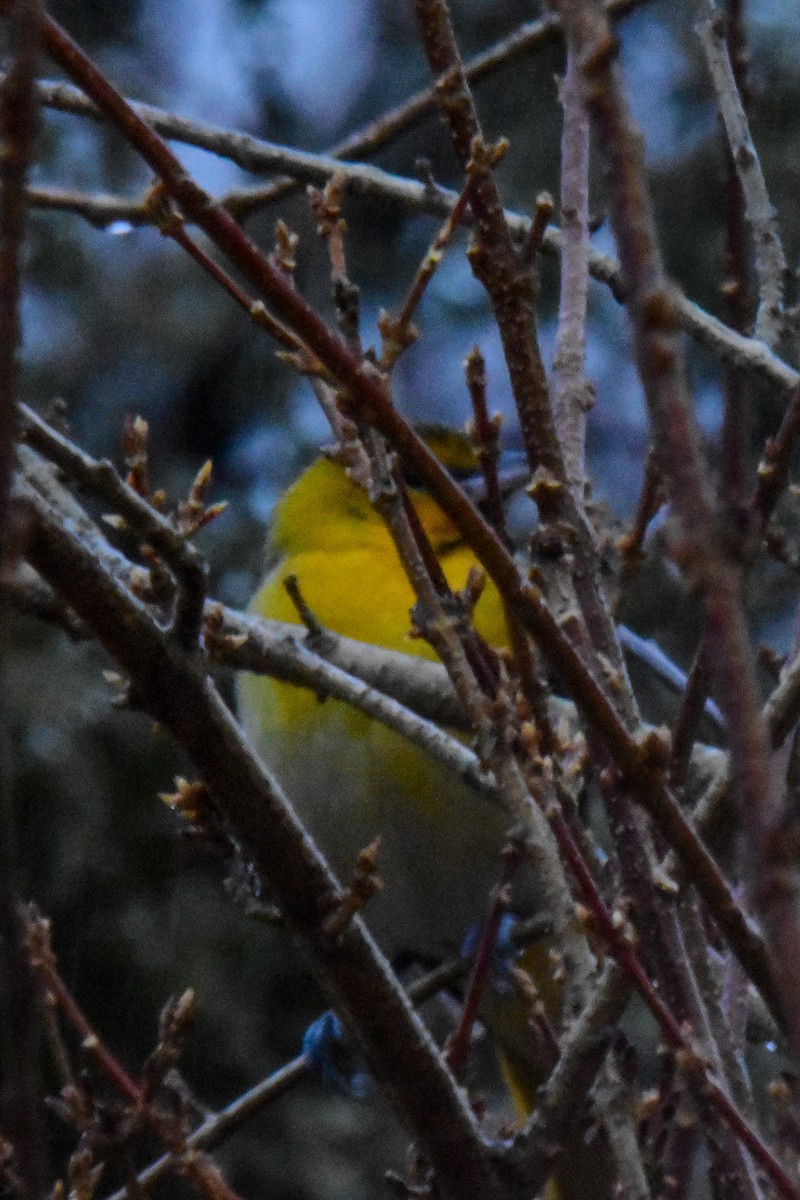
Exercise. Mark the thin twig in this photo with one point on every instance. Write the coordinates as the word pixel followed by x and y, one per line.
pixel 581 1052
pixel 735 423
pixel 105 483
pixel 694 1063
pixel 54 567
pixel 486 436
pixel 397 332
pixel 27 595
pixel 58 994
pixel 98 208
pixel 517 793
pixel 617 1098
pixel 573 394
pixel 648 652
pixel 217 1128
pixel 252 643
pixel 492 256
pixel 171 225
pixel 780 715
pixel 773 470
pixel 728 1157
pixel 770 260
pixel 508 281
pixel 362 143
pixel 631 544
pixel 748 354
pixel 459 1043
pixel 694 703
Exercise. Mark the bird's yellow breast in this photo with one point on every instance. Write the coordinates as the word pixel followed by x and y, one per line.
pixel 329 536
pixel 350 778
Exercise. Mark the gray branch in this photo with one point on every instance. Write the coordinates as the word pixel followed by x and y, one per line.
pixel 770 261
pixel 255 154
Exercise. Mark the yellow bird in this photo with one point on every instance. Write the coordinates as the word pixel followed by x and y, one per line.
pixel 352 779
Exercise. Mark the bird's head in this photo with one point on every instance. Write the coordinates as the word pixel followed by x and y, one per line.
pixel 326 509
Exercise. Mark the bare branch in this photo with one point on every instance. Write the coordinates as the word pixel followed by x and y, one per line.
pixel 573 394
pixel 749 354
pixel 176 693
pixel 509 282
pixel 770 261
pixel 217 1128
pixel 659 359
pixel 694 1063
pixel 639 756
pixel 582 1051
pixel 312 671
pixel 165 538
pixel 363 143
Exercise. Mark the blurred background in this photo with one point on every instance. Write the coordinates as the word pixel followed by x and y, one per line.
pixel 119 321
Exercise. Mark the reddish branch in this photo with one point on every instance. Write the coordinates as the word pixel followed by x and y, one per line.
pixel 772 883
pixel 510 284
pixel 618 938
pixel 58 995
